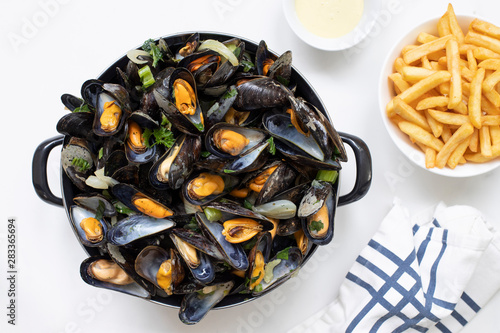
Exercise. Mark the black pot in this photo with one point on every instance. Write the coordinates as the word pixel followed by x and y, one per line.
pixel 304 89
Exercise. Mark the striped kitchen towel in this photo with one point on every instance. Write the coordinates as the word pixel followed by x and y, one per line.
pixel 428 273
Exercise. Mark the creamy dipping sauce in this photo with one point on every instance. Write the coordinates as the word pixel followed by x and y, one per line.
pixel 329 18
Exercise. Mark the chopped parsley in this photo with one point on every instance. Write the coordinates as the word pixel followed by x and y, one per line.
pixel 162 136
pixel 82 108
pixel 283 254
pixel 153 49
pixel 205 154
pixel 316 225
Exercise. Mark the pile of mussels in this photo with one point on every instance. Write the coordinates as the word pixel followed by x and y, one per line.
pixel 230 204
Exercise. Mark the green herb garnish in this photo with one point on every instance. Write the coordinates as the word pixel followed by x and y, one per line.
pixel 247 65
pixel 247 204
pixel 272 147
pixel 327 175
pixel 205 154
pixel 282 80
pixel 81 164
pixel 283 254
pixel 316 225
pixel 101 153
pixel 82 108
pixel 100 211
pixel 122 209
pixel 229 171
pixel 153 49
pixel 162 136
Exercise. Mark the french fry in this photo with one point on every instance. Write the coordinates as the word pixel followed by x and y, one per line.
pixel 475 98
pixel 446 133
pixel 471 61
pixel 474 141
pixel 458 153
pixel 400 85
pixel 408 113
pixel 490 82
pixel 449 118
pixel 493 96
pixel 495 134
pixel 490 120
pixel 426 49
pixel 481 53
pixel 485 28
pixel 436 126
pixel 443 26
pixel 420 88
pixel 399 64
pixel 424 37
pixel 426 63
pixel 454 26
pixel 487 42
pixel 421 135
pixel 485 141
pixel 460 134
pixel 430 155
pixel 453 60
pixel 493 64
pixel 432 102
pixel 414 74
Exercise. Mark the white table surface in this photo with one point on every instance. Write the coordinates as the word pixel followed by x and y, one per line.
pixel 73 41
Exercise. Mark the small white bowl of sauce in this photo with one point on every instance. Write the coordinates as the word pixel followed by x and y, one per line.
pixel 331 25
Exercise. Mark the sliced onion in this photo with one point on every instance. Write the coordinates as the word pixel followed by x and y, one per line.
pixel 280 209
pixel 134 55
pixel 100 181
pixel 221 49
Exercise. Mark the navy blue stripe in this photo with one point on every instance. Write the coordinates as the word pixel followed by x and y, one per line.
pixel 443 304
pixel 470 302
pixel 416 227
pixel 436 223
pixel 423 246
pixel 459 318
pixel 442 328
pixel 432 280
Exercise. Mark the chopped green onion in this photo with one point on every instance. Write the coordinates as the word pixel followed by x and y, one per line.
pixel 327 175
pixel 272 147
pixel 122 209
pixel 247 204
pixel 212 214
pixel 205 154
pixel 146 77
pixel 80 163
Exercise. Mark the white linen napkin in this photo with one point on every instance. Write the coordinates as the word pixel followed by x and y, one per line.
pixel 428 273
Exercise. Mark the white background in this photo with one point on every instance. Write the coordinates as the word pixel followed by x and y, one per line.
pixel 75 40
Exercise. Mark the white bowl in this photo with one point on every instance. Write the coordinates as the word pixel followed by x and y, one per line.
pixel 370 14
pixel 386 93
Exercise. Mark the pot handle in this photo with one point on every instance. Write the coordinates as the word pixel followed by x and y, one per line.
pixel 363 169
pixel 39 170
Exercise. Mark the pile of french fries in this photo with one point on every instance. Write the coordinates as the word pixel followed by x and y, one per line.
pixel 447 93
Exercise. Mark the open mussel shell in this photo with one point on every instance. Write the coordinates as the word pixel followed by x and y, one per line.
pixel 136 150
pixel 283 266
pixel 92 233
pixel 198 188
pixel 198 263
pixel 149 262
pixel 261 93
pixel 317 211
pixel 77 161
pixel 231 141
pixel 280 127
pixel 233 253
pixel 270 65
pixel 95 202
pixel 92 268
pixel 319 127
pixel 71 102
pixel 196 305
pixel 137 227
pixel 257 258
pixel 230 210
pixel 189 46
pixel 175 166
pixel 278 181
pixel 166 99
pixel 198 241
pixel 250 161
pixel 279 209
pixel 299 159
pixel 114 101
pixel 140 202
pixel 217 112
